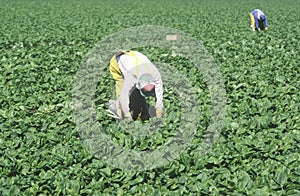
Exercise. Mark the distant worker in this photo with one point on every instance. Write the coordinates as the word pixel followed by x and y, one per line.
pixel 136 78
pixel 258 20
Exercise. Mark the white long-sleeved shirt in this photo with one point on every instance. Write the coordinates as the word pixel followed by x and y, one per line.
pixel 132 67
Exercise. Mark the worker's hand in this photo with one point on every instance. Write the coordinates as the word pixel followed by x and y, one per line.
pixel 159 112
pixel 266 28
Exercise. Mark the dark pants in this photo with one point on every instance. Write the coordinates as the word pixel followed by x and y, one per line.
pixel 138 106
pixel 261 25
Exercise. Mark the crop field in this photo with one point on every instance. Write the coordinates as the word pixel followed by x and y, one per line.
pixel 231 126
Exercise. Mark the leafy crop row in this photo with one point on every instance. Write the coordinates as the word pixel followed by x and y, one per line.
pixel 42 45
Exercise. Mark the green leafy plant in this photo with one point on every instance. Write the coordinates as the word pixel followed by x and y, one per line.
pixel 42 45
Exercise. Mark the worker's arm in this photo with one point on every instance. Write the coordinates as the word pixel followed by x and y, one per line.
pixel 158 93
pixel 266 23
pixel 256 23
pixel 158 89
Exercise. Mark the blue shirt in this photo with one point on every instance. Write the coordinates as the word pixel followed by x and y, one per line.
pixel 259 16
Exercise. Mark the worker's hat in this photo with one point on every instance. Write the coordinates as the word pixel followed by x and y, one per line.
pixel 143 81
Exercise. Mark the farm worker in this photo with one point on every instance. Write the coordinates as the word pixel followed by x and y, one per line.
pixel 258 20
pixel 136 78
